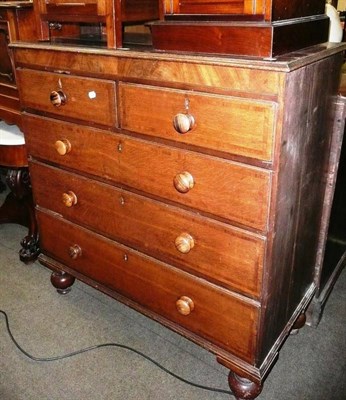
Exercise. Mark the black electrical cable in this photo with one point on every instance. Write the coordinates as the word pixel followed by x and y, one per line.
pixel 98 346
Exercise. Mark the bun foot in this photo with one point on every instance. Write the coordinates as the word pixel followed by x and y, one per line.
pixel 62 281
pixel 242 388
pixel 300 322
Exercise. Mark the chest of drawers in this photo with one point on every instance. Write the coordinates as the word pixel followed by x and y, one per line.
pixel 189 188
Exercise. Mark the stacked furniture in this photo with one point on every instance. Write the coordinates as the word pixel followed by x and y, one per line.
pixel 261 28
pixel 190 187
pixel 97 22
pixel 17 22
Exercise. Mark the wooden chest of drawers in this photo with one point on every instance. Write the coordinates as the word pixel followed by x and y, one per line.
pixel 189 188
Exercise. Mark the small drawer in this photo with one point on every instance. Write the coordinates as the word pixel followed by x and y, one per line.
pixel 217 315
pixel 236 192
pixel 215 122
pixel 92 100
pixel 218 252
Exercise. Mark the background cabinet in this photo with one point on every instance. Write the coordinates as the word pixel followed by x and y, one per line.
pixel 94 22
pixel 17 22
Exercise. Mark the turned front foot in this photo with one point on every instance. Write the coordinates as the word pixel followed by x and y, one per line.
pixel 300 322
pixel 62 281
pixel 242 388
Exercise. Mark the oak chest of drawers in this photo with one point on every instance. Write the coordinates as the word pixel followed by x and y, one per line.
pixel 190 188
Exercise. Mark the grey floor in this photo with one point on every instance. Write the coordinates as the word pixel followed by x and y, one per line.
pixel 311 365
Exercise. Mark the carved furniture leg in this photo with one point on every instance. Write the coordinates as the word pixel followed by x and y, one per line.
pixel 18 208
pixel 242 388
pixel 62 281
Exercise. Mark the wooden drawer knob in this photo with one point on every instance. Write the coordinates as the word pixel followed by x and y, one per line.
pixel 69 199
pixel 62 146
pixel 57 98
pixel 183 123
pixel 183 182
pixel 184 243
pixel 185 305
pixel 75 251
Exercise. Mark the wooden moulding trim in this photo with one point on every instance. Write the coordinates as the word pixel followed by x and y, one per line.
pixel 149 70
pixel 286 63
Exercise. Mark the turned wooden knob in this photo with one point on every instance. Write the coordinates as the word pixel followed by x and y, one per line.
pixel 62 146
pixel 183 122
pixel 75 251
pixel 69 199
pixel 185 305
pixel 184 243
pixel 57 98
pixel 183 182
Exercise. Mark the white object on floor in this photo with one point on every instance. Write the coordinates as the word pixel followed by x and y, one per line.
pixel 10 135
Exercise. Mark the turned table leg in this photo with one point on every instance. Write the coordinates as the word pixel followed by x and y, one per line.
pixel 18 208
pixel 242 388
pixel 62 281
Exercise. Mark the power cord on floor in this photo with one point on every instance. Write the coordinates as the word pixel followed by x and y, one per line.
pixel 99 346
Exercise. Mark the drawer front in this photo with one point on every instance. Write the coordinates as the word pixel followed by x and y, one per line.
pixel 211 7
pixel 92 100
pixel 219 316
pixel 221 123
pixel 218 252
pixel 233 191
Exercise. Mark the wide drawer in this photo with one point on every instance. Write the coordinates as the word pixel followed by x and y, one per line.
pixel 221 123
pixel 233 191
pixel 216 251
pixel 218 315
pixel 92 100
